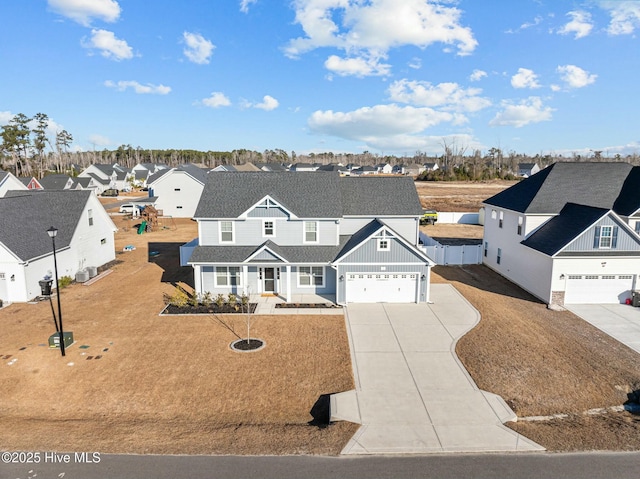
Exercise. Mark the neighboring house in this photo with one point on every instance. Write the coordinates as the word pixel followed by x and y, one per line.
pixel 56 182
pixel 31 182
pixel 107 177
pixel 178 190
pixel 384 168
pixel 525 170
pixel 304 167
pixel 350 239
pixel 568 234
pixel 270 167
pixel 85 238
pixel 430 166
pixel 247 167
pixel 411 169
pixel 364 170
pixel 334 167
pixel 224 168
pixel 9 182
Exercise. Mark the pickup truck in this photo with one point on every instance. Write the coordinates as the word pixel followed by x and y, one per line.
pixel 429 217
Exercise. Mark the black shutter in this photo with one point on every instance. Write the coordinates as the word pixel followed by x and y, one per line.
pixel 614 240
pixel 596 239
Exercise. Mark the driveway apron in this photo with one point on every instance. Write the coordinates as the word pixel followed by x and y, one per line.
pixel 620 321
pixel 412 393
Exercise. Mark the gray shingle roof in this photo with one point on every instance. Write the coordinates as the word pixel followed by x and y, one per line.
pixel 54 182
pixel 307 195
pixel 546 192
pixel 379 196
pixel 293 254
pixel 561 230
pixel 27 215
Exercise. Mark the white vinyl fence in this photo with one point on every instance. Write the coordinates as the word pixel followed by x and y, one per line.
pixel 449 254
pixel 459 218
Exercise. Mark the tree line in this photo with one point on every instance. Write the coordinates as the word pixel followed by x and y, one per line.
pixel 28 148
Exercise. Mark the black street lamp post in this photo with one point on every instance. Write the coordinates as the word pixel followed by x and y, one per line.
pixel 52 232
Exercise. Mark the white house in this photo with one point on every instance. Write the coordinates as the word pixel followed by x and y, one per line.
pixel 384 168
pixel 85 238
pixel 568 234
pixel 525 170
pixel 177 190
pixel 9 182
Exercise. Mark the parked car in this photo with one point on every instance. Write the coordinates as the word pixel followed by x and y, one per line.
pixel 110 192
pixel 129 207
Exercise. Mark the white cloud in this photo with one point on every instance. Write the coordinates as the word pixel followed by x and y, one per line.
pixel 216 100
pixel 380 121
pixel 448 96
pixel 198 49
pixel 84 11
pixel 359 67
pixel 138 87
pixel 368 30
pixel 415 63
pixel 525 78
pixel 536 21
pixel 625 16
pixel 111 47
pixel 527 111
pixel 580 24
pixel 99 140
pixel 268 103
pixel 477 75
pixel 244 5
pixel 5 117
pixel 575 77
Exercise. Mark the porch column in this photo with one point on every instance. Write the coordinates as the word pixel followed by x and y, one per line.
pixel 245 279
pixel 287 270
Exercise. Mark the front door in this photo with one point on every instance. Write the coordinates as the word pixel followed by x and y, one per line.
pixel 269 280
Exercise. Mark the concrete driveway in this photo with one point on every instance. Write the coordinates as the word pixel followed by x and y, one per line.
pixel 620 321
pixel 412 393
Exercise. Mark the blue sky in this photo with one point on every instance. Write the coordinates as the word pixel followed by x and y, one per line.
pixel 385 76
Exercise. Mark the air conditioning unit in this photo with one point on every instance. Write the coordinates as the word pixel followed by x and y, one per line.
pixel 82 276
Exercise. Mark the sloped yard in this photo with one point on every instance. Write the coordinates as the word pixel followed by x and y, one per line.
pixel 545 362
pixel 164 384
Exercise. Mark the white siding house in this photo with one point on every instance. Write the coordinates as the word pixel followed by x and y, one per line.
pixel 9 182
pixel 85 238
pixel 178 190
pixel 569 233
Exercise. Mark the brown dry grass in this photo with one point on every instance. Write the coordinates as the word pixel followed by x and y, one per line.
pixel 546 362
pixel 453 230
pixel 165 384
pixel 458 195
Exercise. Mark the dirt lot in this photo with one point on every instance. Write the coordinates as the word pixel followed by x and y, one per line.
pixel 447 231
pixel 458 195
pixel 166 385
pixel 545 362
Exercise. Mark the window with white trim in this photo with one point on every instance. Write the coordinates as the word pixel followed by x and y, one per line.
pixel 520 221
pixel 228 276
pixel 310 231
pixel 384 244
pixel 268 228
pixel 486 248
pixel 499 257
pixel 311 276
pixel 501 219
pixel 606 234
pixel 226 232
pixel 90 214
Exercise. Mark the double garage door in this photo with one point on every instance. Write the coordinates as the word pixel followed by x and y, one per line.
pixel 382 288
pixel 598 289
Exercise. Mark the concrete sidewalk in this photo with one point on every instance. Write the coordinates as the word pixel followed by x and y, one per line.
pixel 412 394
pixel 620 321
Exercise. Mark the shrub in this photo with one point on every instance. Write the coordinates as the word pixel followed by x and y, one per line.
pixel 233 300
pixel 207 299
pixel 64 281
pixel 193 299
pixel 220 300
pixel 179 298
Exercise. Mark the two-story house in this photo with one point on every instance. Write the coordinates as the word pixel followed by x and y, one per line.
pixel 568 234
pixel 177 190
pixel 348 239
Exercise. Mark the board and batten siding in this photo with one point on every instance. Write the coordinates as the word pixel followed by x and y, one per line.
pixel 267 213
pixel 368 253
pixel 586 241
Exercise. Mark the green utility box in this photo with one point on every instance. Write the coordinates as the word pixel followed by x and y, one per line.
pixel 54 340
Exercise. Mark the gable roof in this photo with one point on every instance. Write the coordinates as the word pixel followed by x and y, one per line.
pixel 628 201
pixel 61 209
pixel 561 230
pixel 54 182
pixel 379 196
pixel 307 195
pixel 546 192
pixel 247 167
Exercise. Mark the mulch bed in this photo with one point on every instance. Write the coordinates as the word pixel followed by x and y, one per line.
pixel 211 309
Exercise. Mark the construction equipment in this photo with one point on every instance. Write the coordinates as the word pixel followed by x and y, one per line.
pixel 429 217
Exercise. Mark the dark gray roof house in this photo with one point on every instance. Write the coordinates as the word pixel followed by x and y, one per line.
pixel 56 182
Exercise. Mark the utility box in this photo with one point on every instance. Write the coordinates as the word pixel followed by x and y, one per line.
pixel 54 340
pixel 635 298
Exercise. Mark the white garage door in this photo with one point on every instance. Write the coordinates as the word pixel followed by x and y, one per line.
pixel 382 288
pixel 598 289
